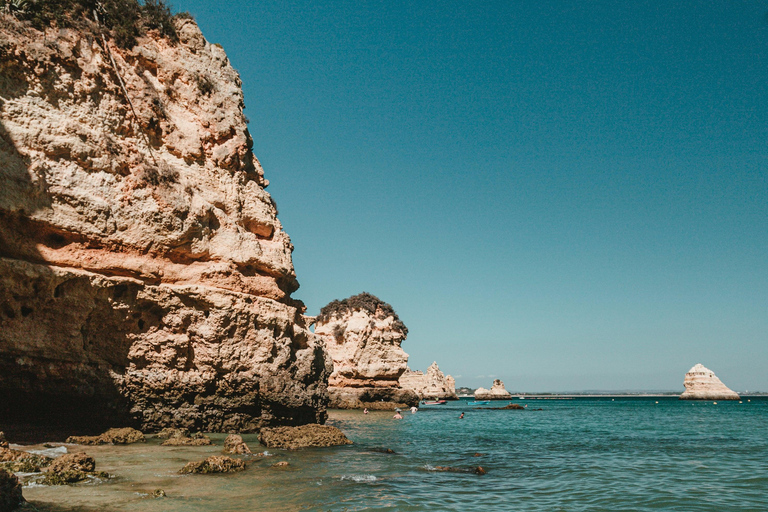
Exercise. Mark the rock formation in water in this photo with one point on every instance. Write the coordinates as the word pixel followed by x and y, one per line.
pixel 363 336
pixel 144 276
pixel 431 385
pixel 701 383
pixel 497 392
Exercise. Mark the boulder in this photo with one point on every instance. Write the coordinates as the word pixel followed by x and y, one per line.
pixel 234 444
pixel 701 383
pixel 10 492
pixel 112 436
pixel 302 437
pixel 71 468
pixel 214 464
pixel 167 433
pixel 197 439
pixel 18 461
pixel 497 392
pixel 433 385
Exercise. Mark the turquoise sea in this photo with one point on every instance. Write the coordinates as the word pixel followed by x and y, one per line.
pixel 583 454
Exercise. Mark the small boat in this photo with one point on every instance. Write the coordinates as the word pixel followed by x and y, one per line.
pixel 481 402
pixel 434 402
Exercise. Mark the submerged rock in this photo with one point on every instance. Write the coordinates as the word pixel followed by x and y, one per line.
pixel 478 470
pixel 281 464
pixel 514 407
pixel 701 383
pixel 10 492
pixel 197 439
pixel 71 468
pixel 433 385
pixel 167 433
pixel 234 444
pixel 497 392
pixel 214 464
pixel 112 436
pixel 302 437
pixel 363 335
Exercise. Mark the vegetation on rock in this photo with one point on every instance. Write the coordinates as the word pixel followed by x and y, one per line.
pixel 362 302
pixel 125 19
pixel 214 464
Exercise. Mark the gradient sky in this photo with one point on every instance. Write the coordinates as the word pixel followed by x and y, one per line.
pixel 563 195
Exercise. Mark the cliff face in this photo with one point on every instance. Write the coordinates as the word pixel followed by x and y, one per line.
pixel 143 270
pixel 701 383
pixel 433 384
pixel 363 336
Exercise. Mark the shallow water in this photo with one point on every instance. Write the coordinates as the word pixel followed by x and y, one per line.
pixel 573 455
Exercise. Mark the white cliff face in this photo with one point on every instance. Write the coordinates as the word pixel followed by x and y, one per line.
pixel 497 392
pixel 701 383
pixel 434 384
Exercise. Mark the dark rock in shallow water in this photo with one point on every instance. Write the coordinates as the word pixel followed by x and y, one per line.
pixel 10 492
pixel 214 464
pixel 450 469
pixel 112 436
pixel 379 449
pixel 158 493
pixel 71 468
pixel 18 461
pixel 515 407
pixel 302 437
pixel 281 464
pixel 235 444
pixel 168 433
pixel 197 439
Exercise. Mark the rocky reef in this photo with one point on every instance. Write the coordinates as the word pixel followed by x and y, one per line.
pixel 701 383
pixel 497 392
pixel 145 279
pixel 431 385
pixel 363 335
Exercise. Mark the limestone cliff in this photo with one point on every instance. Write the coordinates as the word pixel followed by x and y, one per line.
pixel 701 383
pixel 431 385
pixel 363 336
pixel 497 392
pixel 144 276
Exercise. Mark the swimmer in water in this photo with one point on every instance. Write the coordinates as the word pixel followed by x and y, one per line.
pixel 462 416
pixel 365 410
pixel 414 409
pixel 397 416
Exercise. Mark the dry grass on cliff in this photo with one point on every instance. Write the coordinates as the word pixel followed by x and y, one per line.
pixel 124 19
pixel 363 302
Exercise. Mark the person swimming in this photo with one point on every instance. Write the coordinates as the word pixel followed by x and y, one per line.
pixel 414 409
pixel 462 416
pixel 397 416
pixel 365 410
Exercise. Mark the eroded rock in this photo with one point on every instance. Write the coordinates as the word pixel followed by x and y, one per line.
pixel 144 275
pixel 10 492
pixel 214 464
pixel 112 436
pixel 363 336
pixel 433 385
pixel 71 468
pixel 497 392
pixel 701 383
pixel 302 437
pixel 18 461
pixel 234 444
pixel 197 439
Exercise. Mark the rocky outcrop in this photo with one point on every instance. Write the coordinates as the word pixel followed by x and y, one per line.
pixel 363 336
pixel 10 492
pixel 701 383
pixel 497 392
pixel 234 444
pixel 144 276
pixel 433 385
pixel 178 439
pixel 304 436
pixel 112 436
pixel 214 464
pixel 71 468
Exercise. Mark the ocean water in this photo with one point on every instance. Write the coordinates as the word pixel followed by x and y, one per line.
pixel 584 454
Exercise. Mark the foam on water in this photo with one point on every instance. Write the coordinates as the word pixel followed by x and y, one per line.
pixel 359 478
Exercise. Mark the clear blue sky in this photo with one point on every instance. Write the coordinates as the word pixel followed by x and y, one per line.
pixel 564 195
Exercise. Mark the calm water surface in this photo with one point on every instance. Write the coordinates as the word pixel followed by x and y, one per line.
pixel 573 455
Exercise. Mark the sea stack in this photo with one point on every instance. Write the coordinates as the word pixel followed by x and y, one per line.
pixel 363 336
pixel 433 385
pixel 497 392
pixel 145 279
pixel 701 383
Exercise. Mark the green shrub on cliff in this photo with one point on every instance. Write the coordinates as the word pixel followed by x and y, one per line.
pixel 363 302
pixel 125 19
